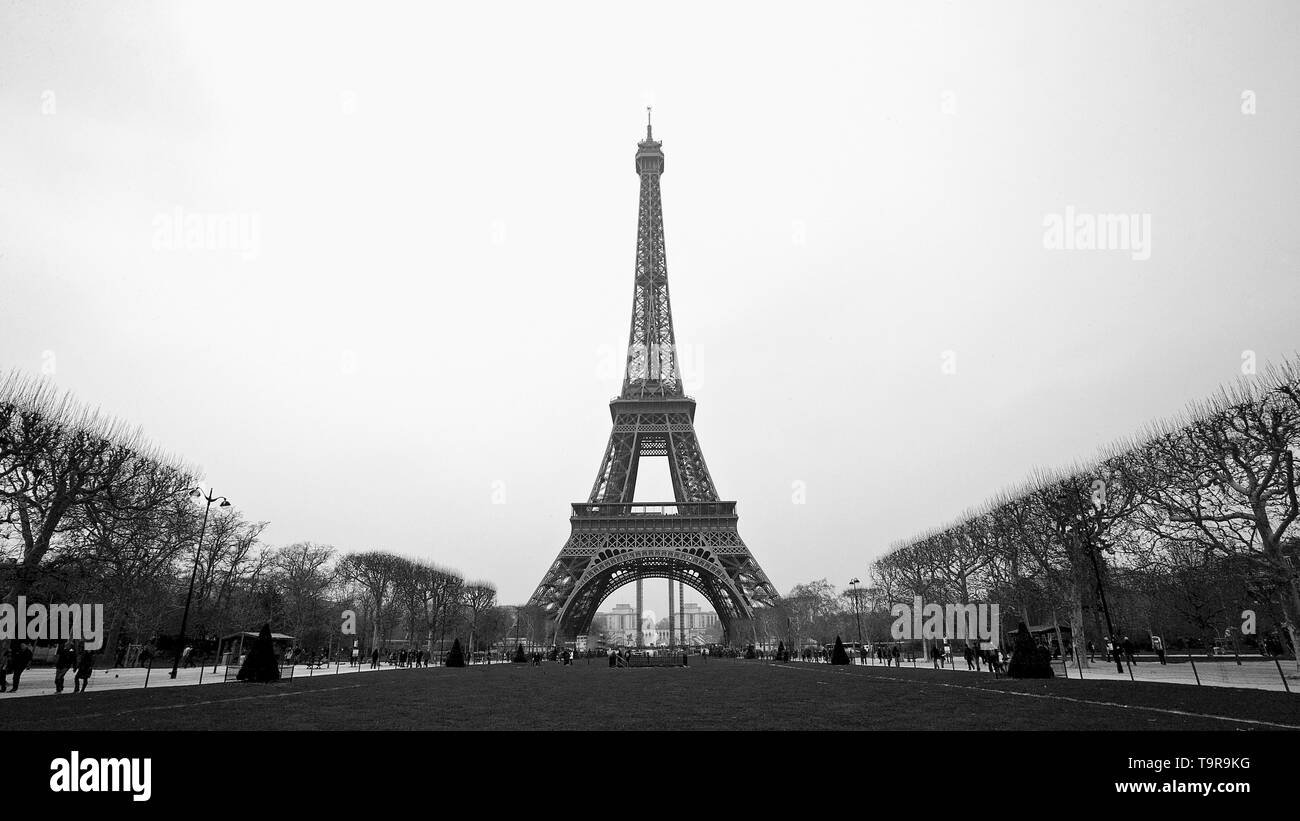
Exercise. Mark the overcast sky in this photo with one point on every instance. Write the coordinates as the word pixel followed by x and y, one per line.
pixel 411 339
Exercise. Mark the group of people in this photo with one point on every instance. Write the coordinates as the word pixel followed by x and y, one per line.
pixel 402 658
pixel 18 657
pixel 1124 648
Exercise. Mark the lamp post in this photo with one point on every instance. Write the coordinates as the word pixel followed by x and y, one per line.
pixel 1086 538
pixel 195 493
pixel 857 611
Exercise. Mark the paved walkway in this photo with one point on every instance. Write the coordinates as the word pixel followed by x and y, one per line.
pixel 1253 673
pixel 39 681
pixel 1222 671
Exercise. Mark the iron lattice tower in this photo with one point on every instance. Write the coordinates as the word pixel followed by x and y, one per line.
pixel 693 540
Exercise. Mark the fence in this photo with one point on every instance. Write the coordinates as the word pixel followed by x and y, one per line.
pixel 40 680
pixel 1249 672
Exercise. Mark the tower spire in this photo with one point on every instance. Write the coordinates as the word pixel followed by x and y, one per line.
pixel 652 350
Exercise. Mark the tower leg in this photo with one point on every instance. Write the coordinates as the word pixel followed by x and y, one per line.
pixel 672 623
pixel 681 612
pixel 640 615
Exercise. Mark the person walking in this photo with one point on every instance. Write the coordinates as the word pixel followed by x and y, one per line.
pixel 1158 644
pixel 19 660
pixel 64 659
pixel 374 659
pixel 81 679
pixel 1128 650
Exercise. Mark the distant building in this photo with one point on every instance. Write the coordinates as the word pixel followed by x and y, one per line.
pixel 620 625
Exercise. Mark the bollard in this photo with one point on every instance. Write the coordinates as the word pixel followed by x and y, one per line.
pixel 1282 674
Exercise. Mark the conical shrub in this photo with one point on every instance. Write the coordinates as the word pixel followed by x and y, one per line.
pixel 456 658
pixel 839 655
pixel 261 663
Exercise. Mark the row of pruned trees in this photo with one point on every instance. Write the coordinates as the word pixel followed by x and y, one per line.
pixel 417 604
pixel 90 511
pixel 815 612
pixel 1187 527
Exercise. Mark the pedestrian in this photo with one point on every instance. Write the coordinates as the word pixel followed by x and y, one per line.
pixel 1128 650
pixel 18 662
pixel 374 659
pixel 81 679
pixel 64 658
pixel 1092 650
pixel 1158 644
pixel 897 655
pixel 5 661
pixel 185 656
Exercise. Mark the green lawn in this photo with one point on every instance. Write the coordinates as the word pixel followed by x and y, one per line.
pixel 718 694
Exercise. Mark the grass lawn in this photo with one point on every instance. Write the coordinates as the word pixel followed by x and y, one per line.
pixel 718 694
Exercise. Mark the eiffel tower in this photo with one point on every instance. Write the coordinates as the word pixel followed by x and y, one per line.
pixel 691 541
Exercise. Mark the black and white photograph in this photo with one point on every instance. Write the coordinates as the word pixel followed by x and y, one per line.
pixel 353 441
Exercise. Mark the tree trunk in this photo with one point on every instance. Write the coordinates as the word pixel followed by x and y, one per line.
pixel 1060 641
pixel 1077 630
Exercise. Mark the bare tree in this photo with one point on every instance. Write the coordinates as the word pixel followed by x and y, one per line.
pixel 375 572
pixel 476 598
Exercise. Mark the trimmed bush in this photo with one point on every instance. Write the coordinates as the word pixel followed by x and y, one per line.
pixel 456 658
pixel 1028 660
pixel 839 655
pixel 261 663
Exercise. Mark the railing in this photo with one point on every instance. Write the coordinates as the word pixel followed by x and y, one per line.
pixel 650 509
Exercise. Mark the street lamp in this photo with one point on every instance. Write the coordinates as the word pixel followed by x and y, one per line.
pixel 857 611
pixel 195 493
pixel 1086 539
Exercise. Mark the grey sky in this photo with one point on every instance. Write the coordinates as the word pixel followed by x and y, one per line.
pixel 434 285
